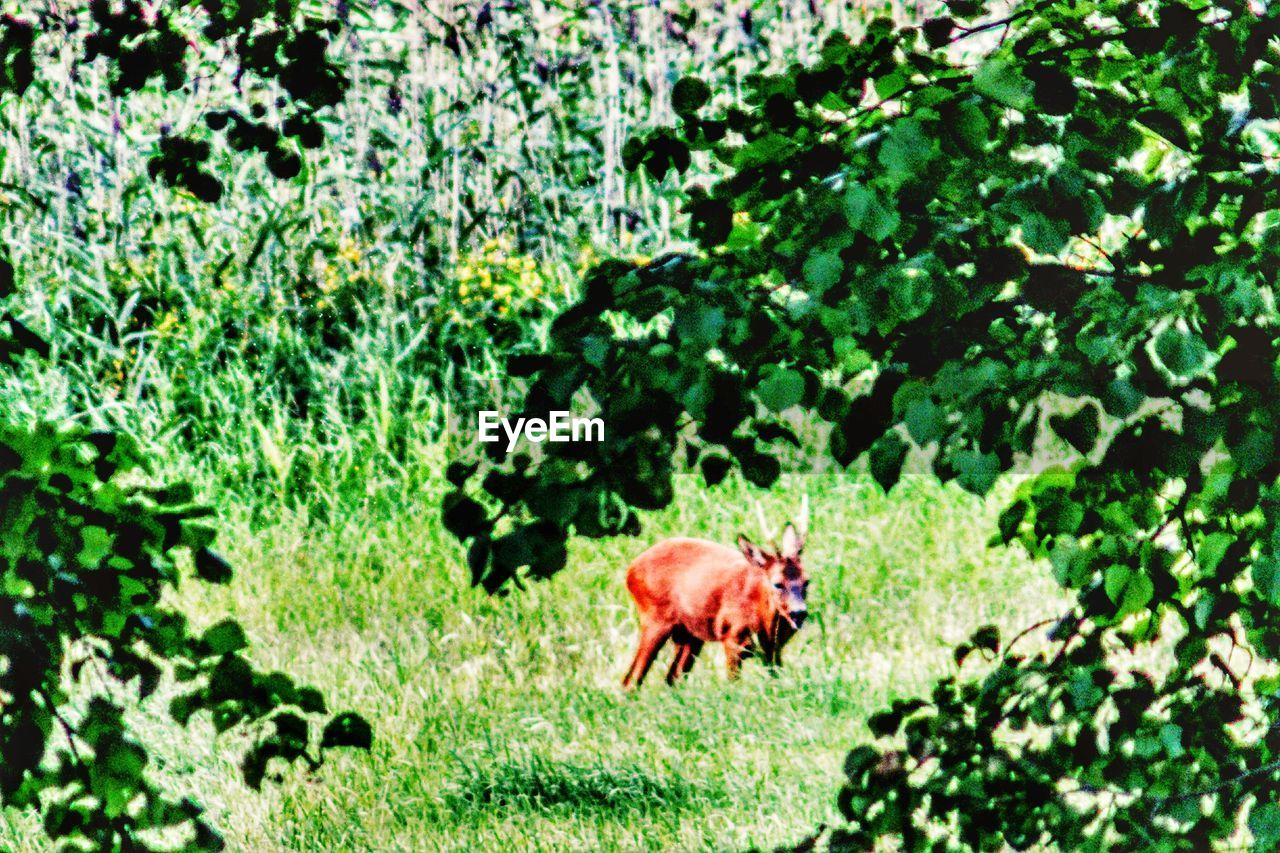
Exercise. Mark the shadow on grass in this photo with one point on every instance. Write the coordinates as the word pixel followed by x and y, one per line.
pixel 535 783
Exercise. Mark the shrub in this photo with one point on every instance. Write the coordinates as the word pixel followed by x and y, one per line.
pixel 1069 232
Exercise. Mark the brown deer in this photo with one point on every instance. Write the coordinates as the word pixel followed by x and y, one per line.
pixel 693 591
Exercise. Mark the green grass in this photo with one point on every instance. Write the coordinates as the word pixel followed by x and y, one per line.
pixel 500 723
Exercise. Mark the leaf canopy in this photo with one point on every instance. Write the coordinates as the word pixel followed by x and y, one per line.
pixel 1072 231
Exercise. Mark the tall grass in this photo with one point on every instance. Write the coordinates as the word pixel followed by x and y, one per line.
pixel 302 352
pixel 321 323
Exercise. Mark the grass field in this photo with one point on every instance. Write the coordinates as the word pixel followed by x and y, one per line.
pixel 298 351
pixel 500 723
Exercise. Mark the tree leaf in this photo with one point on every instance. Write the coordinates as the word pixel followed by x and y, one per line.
pixel 347 729
pixel 781 389
pixel 1000 81
pixel 689 95
pixel 886 457
pixel 224 638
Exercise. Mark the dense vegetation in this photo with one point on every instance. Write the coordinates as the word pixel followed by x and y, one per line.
pixel 285 297
pixel 1071 234
pixel 90 549
pixel 759 241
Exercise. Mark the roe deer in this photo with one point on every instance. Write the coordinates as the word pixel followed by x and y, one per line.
pixel 693 591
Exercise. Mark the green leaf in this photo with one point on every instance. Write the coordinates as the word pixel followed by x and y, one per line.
pixel 760 469
pixel 885 457
pixel 1264 823
pixel 866 213
pixel 1043 232
pixel 1137 594
pixel 1130 591
pixel 124 761
pixel 1000 81
pixel 857 202
pixel 347 729
pixel 1212 549
pixel 937 31
pixel 1055 93
pixel 197 535
pixel 886 723
pixel 224 638
pixel 457 473
pixel 1181 352
pixel 971 126
pixel 211 567
pixel 463 516
pixel 977 471
pixel 1009 522
pixel 1079 429
pixel 822 271
pixel 98 544
pixel 1266 578
pixel 1253 452
pixel 715 468
pixel 859 760
pixel 1171 737
pixel 1167 125
pixel 781 389
pixel 925 420
pixel 702 324
pixel 906 151
pixel 689 95
pixel 987 638
pixel 1121 399
pixel 182 707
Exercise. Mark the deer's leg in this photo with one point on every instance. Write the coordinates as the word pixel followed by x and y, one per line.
pixel 734 647
pixel 732 659
pixel 652 636
pixel 677 663
pixel 686 654
pixel 784 632
pixel 770 653
pixel 692 657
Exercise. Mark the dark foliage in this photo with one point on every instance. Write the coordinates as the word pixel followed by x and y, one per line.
pixel 86 559
pixel 271 44
pixel 1071 233
pixel 87 550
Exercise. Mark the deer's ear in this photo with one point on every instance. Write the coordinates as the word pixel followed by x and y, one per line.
pixel 754 553
pixel 792 542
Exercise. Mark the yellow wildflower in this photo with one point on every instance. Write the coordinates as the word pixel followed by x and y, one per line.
pixel 349 251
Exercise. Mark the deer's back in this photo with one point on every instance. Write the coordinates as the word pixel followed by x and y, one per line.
pixel 692 582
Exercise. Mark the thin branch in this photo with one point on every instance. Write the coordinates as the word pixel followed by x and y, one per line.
pixel 67 730
pixel 1025 631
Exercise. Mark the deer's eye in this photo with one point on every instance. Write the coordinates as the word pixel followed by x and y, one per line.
pixel 779 586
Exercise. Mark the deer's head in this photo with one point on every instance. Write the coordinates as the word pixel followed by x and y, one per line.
pixel 782 564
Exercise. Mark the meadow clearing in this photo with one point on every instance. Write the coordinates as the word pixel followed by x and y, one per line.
pixel 304 354
pixel 500 723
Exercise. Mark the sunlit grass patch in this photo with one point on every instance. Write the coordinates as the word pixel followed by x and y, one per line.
pixel 500 723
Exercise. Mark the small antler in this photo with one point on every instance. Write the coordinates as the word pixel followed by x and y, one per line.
pixel 769 536
pixel 794 535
